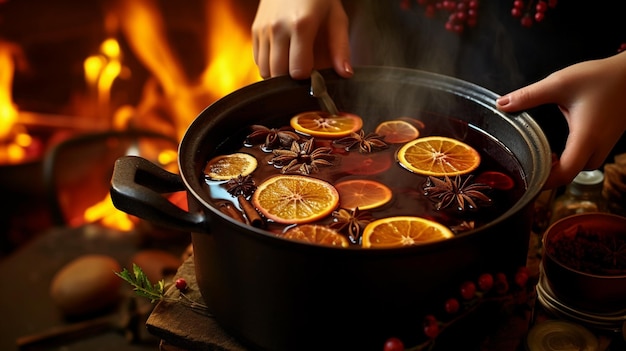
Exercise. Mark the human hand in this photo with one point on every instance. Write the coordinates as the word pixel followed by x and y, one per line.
pixel 592 97
pixel 297 36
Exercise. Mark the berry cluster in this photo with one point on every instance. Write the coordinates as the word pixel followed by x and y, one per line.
pixel 531 11
pixel 487 287
pixel 460 13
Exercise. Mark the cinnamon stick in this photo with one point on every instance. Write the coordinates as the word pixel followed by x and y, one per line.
pixel 229 209
pixel 254 218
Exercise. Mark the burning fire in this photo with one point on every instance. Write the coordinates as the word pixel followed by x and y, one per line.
pixel 16 144
pixel 225 71
pixel 170 99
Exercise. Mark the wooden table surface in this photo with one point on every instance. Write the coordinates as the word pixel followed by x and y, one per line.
pixel 25 303
pixel 181 328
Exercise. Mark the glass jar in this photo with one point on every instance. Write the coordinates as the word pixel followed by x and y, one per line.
pixel 583 194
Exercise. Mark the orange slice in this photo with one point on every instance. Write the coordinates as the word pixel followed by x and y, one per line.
pixel 295 199
pixel 438 156
pixel 496 180
pixel 414 122
pixel 317 234
pixel 322 124
pixel 397 131
pixel 362 193
pixel 403 231
pixel 226 167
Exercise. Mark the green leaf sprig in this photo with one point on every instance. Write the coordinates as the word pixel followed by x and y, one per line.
pixel 141 284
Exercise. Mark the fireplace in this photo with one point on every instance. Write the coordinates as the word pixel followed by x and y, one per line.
pixel 75 74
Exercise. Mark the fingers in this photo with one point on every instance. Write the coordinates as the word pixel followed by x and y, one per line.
pixel 301 53
pixel 582 152
pixel 260 49
pixel 270 47
pixel 542 92
pixel 296 37
pixel 574 158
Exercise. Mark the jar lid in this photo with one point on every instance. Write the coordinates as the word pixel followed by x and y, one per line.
pixel 589 177
pixel 550 302
pixel 553 335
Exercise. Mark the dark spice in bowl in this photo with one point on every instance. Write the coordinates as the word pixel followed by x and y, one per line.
pixel 589 251
pixel 584 262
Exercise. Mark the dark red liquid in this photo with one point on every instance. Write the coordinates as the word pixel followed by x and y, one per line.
pixel 407 187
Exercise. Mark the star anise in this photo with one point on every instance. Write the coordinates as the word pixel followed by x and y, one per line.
pixel 463 226
pixel 302 158
pixel 464 193
pixel 366 143
pixel 241 185
pixel 271 138
pixel 351 222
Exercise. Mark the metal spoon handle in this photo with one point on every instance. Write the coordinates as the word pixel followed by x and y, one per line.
pixel 318 89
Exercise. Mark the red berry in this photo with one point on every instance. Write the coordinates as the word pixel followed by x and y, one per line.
pixel 539 16
pixel 541 6
pixel 393 344
pixel 521 278
pixel 485 282
pixel 181 284
pixel 527 21
pixel 515 12
pixel 452 306
pixel 431 326
pixel 468 290
pixel 518 4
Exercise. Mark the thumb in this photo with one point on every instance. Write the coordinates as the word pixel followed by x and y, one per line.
pixel 539 93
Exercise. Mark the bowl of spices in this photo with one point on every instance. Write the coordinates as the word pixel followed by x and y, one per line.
pixel 584 262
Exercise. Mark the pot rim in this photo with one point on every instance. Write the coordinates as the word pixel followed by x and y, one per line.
pixel 526 126
pixel 577 218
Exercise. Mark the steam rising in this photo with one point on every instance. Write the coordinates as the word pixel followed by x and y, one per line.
pixel 383 34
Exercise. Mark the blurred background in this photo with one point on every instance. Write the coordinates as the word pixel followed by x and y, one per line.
pixel 82 83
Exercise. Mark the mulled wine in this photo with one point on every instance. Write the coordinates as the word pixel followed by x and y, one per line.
pixel 460 202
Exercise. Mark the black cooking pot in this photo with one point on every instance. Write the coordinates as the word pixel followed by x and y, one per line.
pixel 278 294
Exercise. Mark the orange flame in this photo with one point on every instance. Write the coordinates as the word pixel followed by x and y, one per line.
pixel 14 139
pixel 101 71
pixel 8 110
pixel 226 70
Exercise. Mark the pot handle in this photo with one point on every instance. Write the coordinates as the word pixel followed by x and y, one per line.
pixel 136 188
